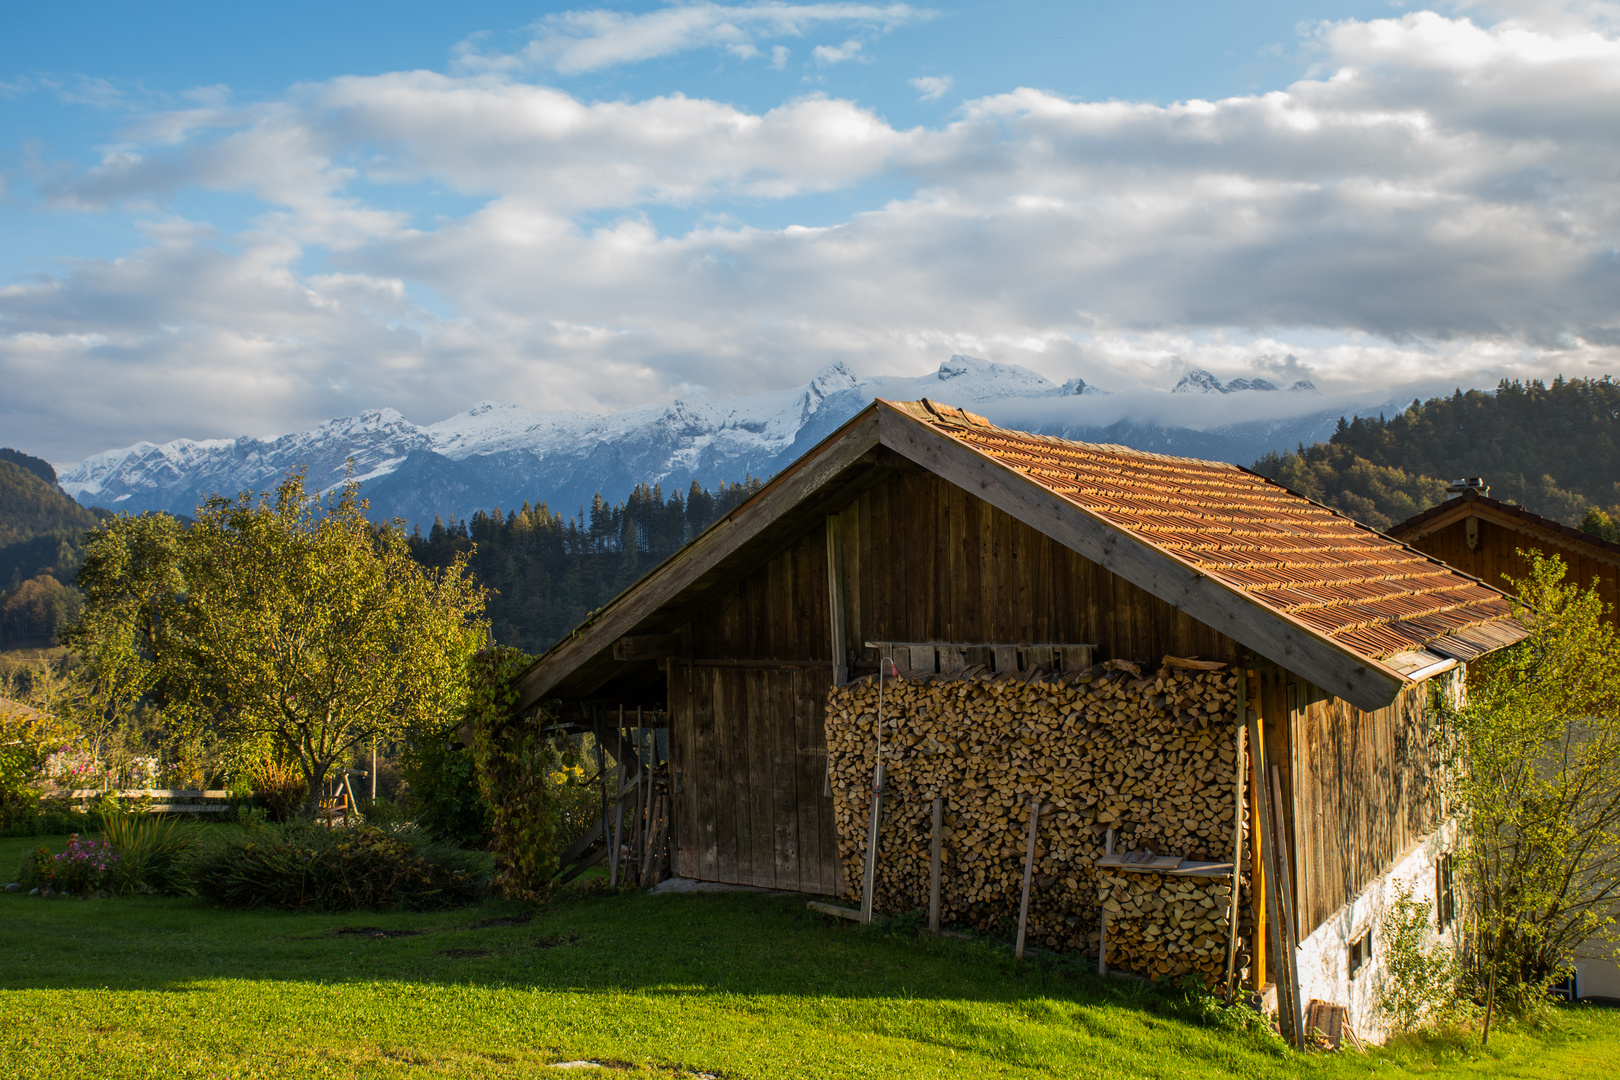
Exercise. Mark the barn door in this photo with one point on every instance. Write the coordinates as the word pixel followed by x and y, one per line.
pixel 750 747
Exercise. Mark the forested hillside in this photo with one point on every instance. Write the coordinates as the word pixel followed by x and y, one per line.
pixel 40 536
pixel 547 574
pixel 1553 448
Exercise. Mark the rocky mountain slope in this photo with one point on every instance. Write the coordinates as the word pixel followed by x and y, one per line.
pixel 503 455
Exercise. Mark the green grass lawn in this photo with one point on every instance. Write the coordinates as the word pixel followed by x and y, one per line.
pixel 736 985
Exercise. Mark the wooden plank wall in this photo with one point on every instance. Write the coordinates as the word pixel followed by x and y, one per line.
pixel 750 743
pixel 1366 787
pixel 928 561
pixel 1498 554
pixel 751 751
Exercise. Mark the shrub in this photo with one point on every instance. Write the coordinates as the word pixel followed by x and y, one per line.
pixel 444 794
pixel 150 851
pixel 313 867
pixel 1419 982
pixel 279 784
pixel 83 868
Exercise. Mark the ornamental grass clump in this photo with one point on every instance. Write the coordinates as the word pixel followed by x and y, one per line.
pixel 311 867
pixel 151 852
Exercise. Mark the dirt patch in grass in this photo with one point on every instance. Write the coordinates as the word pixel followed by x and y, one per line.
pixel 461 954
pixel 551 941
pixel 371 932
pixel 505 920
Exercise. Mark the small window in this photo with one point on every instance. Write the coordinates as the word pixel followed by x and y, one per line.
pixel 1360 953
pixel 1565 989
pixel 1445 896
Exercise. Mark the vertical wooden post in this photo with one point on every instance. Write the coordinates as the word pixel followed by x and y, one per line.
pixel 1259 887
pixel 1235 908
pixel 869 881
pixel 1268 844
pixel 933 867
pixel 1029 869
pixel 835 600
pixel 1102 931
pixel 1288 966
pixel 618 825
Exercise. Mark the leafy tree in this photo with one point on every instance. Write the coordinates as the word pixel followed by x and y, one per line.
pixel 546 573
pixel 1538 784
pixel 1601 525
pixel 1376 495
pixel 291 619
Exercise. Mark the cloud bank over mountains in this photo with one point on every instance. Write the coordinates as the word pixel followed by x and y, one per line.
pixel 1434 205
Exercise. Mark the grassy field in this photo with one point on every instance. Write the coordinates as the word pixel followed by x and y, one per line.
pixel 732 985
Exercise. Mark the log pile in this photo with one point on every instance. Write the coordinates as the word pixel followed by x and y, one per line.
pixel 1149 756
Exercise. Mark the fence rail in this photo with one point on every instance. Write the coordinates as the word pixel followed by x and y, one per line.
pixel 217 800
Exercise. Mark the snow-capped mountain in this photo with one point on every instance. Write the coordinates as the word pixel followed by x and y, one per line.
pixel 503 455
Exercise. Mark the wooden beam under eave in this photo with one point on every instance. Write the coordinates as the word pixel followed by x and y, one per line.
pixel 840 451
pixel 1272 634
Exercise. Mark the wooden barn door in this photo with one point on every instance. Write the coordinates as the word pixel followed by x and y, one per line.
pixel 750 750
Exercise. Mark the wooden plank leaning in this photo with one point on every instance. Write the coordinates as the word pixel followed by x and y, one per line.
pixel 1029 870
pixel 1234 908
pixel 1288 969
pixel 1268 843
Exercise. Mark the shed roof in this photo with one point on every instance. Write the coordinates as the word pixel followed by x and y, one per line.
pixel 1473 504
pixel 1355 612
pixel 1376 596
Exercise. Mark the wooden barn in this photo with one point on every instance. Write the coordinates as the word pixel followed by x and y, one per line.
pixel 1081 638
pixel 1482 536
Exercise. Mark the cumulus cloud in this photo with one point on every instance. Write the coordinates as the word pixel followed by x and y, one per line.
pixel 572 42
pixel 932 87
pixel 1435 207
pixel 827 55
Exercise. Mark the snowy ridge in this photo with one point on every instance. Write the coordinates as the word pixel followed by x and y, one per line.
pixel 502 454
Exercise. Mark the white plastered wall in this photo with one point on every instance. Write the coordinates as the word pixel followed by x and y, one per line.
pixel 1324 956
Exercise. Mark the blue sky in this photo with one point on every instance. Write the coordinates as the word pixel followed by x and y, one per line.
pixel 226 219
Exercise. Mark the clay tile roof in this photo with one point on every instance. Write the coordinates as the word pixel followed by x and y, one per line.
pixel 1371 594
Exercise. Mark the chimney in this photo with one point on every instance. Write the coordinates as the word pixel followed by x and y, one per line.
pixel 1463 487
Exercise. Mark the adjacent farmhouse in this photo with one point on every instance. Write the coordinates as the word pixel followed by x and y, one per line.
pixel 1493 541
pixel 1184 711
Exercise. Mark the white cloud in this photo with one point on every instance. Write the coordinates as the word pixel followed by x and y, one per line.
pixel 1436 208
pixel 932 87
pixel 779 56
pixel 572 42
pixel 826 55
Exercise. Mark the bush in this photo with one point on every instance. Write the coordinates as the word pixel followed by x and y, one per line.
pixel 279 785
pixel 48 822
pixel 150 851
pixel 1419 983
pixel 444 792
pixel 86 866
pixel 315 868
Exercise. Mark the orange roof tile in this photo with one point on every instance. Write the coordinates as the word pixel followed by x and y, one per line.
pixel 1371 594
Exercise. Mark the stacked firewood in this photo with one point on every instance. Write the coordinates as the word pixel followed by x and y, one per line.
pixel 1149 756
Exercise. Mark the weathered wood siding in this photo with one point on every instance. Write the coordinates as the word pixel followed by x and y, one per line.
pixel 1497 554
pixel 751 754
pixel 928 561
pixel 1365 788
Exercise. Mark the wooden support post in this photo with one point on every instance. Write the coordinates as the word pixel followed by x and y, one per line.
pixel 1268 843
pixel 1234 909
pixel 933 867
pixel 1259 888
pixel 835 600
pixel 1029 870
pixel 1102 932
pixel 869 881
pixel 618 826
pixel 1288 966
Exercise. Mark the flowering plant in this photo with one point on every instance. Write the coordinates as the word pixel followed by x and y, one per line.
pixel 86 865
